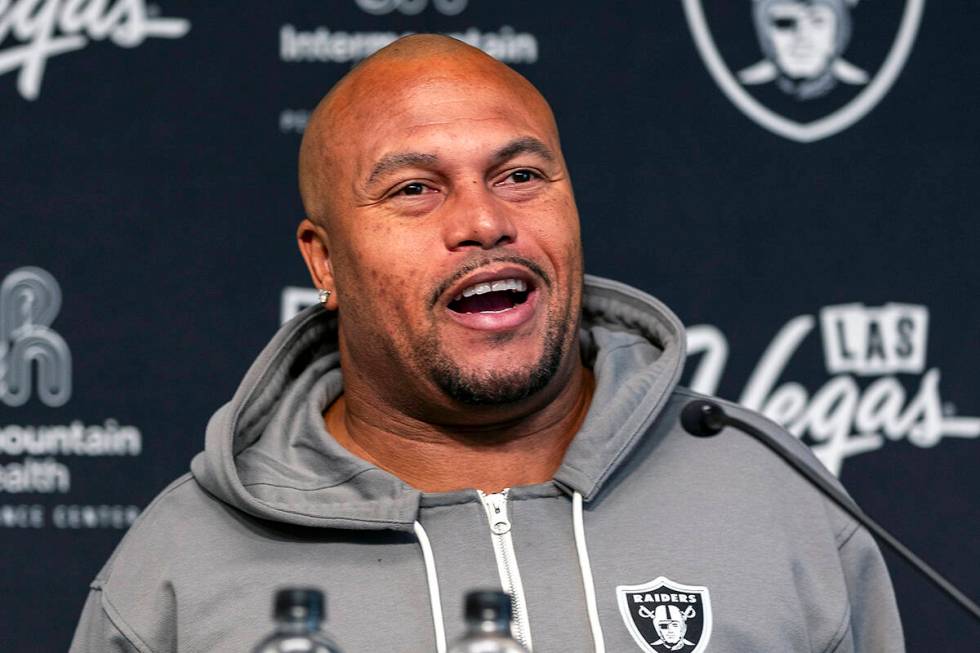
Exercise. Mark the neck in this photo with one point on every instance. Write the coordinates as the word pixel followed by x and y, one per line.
pixel 435 458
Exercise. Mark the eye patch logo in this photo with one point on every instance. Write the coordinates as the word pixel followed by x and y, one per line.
pixel 804 69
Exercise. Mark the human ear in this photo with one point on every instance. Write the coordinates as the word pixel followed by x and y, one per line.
pixel 314 245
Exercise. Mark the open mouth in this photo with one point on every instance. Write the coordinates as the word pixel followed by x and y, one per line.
pixel 491 297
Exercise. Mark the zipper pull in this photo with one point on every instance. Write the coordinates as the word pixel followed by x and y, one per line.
pixel 495 506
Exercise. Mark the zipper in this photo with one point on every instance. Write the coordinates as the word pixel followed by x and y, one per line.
pixel 495 506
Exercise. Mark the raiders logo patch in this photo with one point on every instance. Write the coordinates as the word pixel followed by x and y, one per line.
pixel 663 615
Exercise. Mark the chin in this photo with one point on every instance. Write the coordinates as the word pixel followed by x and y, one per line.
pixel 496 385
pixel 498 388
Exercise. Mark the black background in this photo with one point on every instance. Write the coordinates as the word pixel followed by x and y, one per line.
pixel 156 186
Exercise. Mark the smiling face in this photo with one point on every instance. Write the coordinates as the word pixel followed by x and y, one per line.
pixel 443 219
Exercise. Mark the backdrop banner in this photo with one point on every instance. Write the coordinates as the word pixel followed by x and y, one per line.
pixel 797 179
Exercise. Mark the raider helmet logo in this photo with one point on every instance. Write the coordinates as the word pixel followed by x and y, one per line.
pixel 804 69
pixel 666 616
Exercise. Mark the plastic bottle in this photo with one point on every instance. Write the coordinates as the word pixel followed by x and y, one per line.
pixel 488 615
pixel 298 612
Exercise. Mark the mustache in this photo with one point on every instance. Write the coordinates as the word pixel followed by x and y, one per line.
pixel 484 261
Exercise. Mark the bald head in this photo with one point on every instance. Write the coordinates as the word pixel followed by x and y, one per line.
pixel 414 65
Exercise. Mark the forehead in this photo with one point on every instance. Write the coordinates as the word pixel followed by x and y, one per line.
pixel 397 108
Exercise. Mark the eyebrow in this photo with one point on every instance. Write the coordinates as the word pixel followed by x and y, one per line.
pixel 392 162
pixel 523 145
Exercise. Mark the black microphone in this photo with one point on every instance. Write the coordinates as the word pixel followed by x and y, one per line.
pixel 704 419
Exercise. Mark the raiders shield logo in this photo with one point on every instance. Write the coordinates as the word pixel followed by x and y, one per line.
pixel 666 616
pixel 804 69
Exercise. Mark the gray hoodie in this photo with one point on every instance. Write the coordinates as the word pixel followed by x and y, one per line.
pixel 647 539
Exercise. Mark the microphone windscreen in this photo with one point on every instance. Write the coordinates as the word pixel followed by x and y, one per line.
pixel 702 418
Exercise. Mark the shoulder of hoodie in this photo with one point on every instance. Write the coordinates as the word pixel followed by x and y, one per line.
pixel 739 449
pixel 135 587
pixel 181 517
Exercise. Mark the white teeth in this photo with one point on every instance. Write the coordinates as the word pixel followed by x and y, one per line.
pixel 497 286
pixel 478 289
pixel 509 284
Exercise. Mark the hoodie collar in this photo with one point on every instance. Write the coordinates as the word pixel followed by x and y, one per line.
pixel 636 348
pixel 267 452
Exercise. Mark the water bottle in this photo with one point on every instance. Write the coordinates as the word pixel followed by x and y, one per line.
pixel 488 615
pixel 298 612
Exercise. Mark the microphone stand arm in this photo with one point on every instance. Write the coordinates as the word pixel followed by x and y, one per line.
pixel 712 417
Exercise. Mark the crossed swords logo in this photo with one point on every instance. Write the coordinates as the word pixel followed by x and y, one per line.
pixel 644 612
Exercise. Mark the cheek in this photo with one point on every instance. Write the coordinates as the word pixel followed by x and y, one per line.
pixel 380 273
pixel 555 227
pixel 555 213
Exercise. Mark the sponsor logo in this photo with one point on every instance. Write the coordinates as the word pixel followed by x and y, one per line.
pixel 321 44
pixel 803 83
pixel 863 404
pixel 30 299
pixel 35 361
pixel 412 7
pixel 33 31
pixel 664 615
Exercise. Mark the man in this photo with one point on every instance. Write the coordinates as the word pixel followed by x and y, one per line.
pixel 462 412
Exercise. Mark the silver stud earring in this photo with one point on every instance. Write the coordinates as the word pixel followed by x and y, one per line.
pixel 323 295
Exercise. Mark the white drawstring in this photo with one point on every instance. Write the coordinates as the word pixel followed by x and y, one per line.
pixel 433 581
pixel 583 562
pixel 578 526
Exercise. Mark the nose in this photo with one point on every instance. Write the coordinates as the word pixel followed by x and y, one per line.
pixel 477 219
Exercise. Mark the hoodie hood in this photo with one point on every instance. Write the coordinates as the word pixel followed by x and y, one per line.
pixel 268 453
